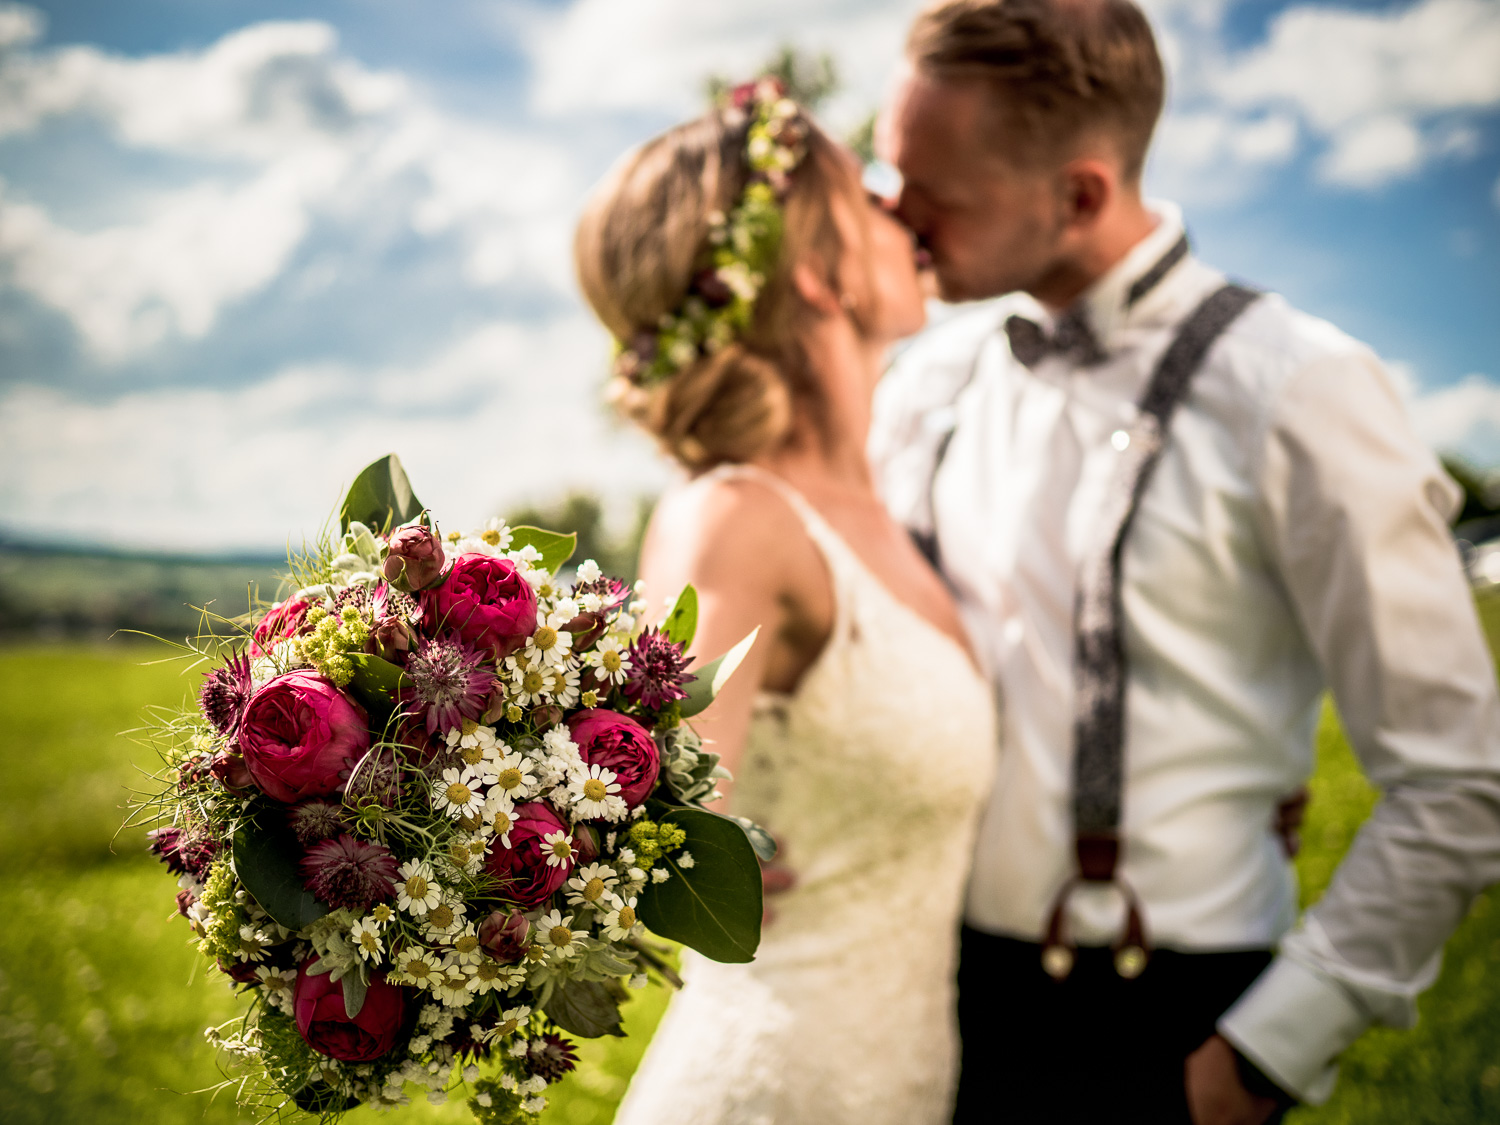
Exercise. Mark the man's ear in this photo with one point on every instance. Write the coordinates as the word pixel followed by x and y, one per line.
pixel 1088 186
pixel 814 288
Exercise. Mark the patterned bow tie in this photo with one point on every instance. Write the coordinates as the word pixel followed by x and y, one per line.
pixel 1072 340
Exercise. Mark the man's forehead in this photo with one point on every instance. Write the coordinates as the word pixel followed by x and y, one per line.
pixel 936 125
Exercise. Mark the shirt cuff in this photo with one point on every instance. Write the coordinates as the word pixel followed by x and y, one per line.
pixel 1292 1023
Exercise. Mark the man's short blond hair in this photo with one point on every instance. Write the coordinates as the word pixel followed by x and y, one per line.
pixel 1059 70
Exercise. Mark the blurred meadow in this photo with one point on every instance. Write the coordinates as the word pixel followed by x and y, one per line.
pixel 103 1000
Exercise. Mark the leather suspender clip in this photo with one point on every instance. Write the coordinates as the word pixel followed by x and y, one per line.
pixel 1098 858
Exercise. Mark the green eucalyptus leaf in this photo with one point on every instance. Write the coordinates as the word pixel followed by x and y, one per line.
pixel 682 620
pixel 585 1008
pixel 762 841
pixel 380 497
pixel 715 905
pixel 265 860
pixel 713 676
pixel 554 547
pixel 376 684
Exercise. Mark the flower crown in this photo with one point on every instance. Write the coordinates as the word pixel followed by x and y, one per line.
pixel 720 305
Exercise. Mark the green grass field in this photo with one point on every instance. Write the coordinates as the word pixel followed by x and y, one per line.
pixel 103 1001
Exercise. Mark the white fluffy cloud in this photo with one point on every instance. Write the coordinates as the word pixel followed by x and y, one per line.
pixel 284 129
pixel 1380 87
pixel 1462 419
pixel 501 416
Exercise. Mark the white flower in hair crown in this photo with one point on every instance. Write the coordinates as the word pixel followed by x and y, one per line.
pixel 742 245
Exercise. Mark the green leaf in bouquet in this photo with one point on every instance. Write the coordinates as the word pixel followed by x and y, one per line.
pixel 265 859
pixel 762 841
pixel 682 620
pixel 554 547
pixel 715 905
pixel 376 684
pixel 586 1008
pixel 714 675
pixel 356 988
pixel 380 497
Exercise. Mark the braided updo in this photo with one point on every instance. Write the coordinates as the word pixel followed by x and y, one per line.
pixel 637 248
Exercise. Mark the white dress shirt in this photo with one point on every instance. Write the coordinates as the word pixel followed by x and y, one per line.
pixel 1294 538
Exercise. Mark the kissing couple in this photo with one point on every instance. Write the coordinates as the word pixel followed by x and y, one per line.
pixel 1047 609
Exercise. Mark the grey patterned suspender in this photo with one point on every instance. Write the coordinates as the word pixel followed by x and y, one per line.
pixel 1099 670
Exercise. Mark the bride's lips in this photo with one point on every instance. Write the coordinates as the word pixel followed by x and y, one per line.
pixel 923 258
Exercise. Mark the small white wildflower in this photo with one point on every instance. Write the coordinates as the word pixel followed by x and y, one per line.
pixel 455 796
pixel 684 859
pixel 556 933
pixel 418 892
pixel 558 848
pixel 660 874
pixel 365 933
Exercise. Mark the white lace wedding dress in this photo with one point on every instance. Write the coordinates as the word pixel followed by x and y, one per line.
pixel 871 775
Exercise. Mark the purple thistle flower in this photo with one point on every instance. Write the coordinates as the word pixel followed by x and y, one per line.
pixel 550 1056
pixel 315 821
pixel 226 692
pixel 447 684
pixel 350 874
pixel 657 670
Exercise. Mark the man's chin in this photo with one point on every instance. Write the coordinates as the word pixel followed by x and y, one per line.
pixel 955 288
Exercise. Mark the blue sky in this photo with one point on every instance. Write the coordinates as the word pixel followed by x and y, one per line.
pixel 247 247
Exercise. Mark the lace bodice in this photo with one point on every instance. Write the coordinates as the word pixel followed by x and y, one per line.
pixel 871 775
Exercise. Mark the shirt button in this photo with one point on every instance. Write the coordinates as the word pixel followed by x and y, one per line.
pixel 1120 440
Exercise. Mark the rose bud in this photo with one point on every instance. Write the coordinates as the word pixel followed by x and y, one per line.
pixel 526 877
pixel 391 639
pixel 241 972
pixel 284 620
pixel 545 716
pixel 505 936
pixel 414 559
pixel 319 1006
pixel 485 601
pixel 586 840
pixel 301 735
pixel 185 899
pixel 586 629
pixel 232 772
pixel 621 745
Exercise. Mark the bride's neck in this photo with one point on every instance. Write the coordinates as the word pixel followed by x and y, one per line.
pixel 830 443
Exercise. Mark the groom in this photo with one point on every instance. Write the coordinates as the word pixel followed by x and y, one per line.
pixel 1174 511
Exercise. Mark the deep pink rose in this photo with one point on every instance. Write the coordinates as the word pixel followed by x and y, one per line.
pixel 621 745
pixel 485 602
pixel 301 736
pixel 414 559
pixel 526 878
pixel 283 620
pixel 319 1005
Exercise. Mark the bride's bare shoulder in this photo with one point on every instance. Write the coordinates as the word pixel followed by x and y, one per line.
pixel 734 528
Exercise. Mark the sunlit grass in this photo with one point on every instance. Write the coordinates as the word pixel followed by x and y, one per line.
pixel 103 1001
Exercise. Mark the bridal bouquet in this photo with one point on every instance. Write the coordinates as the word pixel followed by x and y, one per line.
pixel 430 803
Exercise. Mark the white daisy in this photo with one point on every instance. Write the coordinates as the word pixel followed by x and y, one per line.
pixel 417 966
pixel 276 985
pixel 558 848
pixel 453 988
pixel 511 1020
pixel 611 658
pixel 498 820
pixel 620 922
pixel 445 918
pixel 551 643
pixel 595 794
pixel 513 777
pixel 418 892
pixel 490 976
pixel 466 948
pixel 254 943
pixel 528 683
pixel 455 795
pixel 380 914
pixel 591 885
pixel 563 686
pixel 557 934
pixel 365 933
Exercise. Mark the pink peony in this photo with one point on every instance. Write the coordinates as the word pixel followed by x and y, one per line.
pixel 414 561
pixel 621 745
pixel 301 735
pixel 526 877
pixel 319 1006
pixel 485 602
pixel 283 620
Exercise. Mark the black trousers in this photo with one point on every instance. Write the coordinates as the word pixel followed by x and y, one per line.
pixel 1094 1049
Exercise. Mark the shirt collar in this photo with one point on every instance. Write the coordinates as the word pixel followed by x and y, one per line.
pixel 1107 303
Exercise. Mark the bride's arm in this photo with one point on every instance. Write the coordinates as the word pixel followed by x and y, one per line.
pixel 752 564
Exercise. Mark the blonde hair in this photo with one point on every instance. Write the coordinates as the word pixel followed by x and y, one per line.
pixel 643 238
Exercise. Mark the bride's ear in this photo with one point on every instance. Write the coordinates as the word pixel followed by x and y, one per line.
pixel 814 289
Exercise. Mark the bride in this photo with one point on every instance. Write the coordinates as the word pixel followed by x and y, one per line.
pixel 755 290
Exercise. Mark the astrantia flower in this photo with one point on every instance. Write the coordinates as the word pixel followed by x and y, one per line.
pixel 596 794
pixel 456 796
pixel 611 659
pixel 591 885
pixel 183 854
pixel 448 685
pixel 556 933
pixel 226 692
pixel 550 1056
pixel 349 874
pixel 315 821
pixel 418 891
pixel 657 670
